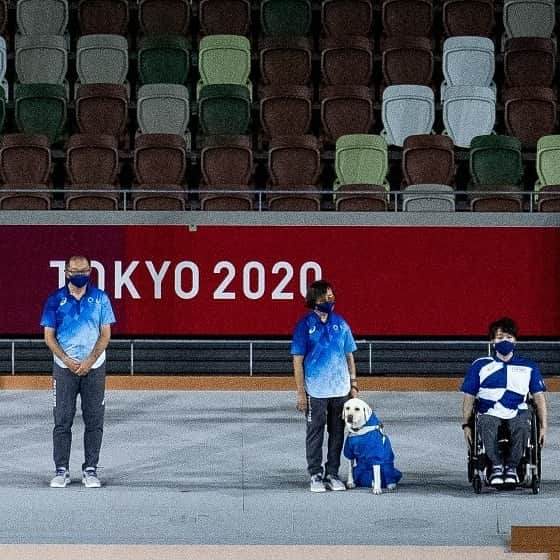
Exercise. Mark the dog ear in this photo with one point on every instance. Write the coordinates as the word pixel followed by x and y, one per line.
pixel 367 412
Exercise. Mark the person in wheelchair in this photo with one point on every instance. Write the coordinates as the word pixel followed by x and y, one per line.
pixel 501 385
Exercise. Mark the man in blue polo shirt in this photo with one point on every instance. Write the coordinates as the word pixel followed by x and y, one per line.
pixel 77 322
pixel 502 383
pixel 325 374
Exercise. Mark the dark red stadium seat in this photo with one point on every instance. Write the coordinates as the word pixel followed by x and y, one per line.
pixel 103 16
pixel 346 17
pixel 285 60
pixel 428 159
pixel 407 17
pixel 346 60
pixel 407 59
pixel 224 17
pixel 529 61
pixel 164 16
pixel 468 17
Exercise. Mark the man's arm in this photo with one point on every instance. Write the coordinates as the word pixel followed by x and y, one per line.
pixel 352 370
pixel 468 404
pixel 98 349
pixel 542 412
pixel 49 335
pixel 301 397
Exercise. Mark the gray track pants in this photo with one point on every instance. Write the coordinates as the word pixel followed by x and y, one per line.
pixel 321 412
pixel 520 430
pixel 91 388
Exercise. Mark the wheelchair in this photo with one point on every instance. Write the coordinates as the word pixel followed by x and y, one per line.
pixel 479 465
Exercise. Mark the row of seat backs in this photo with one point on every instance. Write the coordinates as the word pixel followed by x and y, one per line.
pixel 521 18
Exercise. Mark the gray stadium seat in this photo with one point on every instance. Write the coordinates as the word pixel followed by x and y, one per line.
pixel 163 108
pixel 529 18
pixel 102 58
pixel 36 17
pixel 41 59
pixel 428 198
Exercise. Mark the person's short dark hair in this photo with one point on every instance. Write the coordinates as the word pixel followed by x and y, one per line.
pixel 317 290
pixel 67 264
pixel 506 324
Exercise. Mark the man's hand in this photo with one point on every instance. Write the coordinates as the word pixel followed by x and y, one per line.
pixel 467 432
pixel 71 364
pixel 542 434
pixel 83 367
pixel 301 400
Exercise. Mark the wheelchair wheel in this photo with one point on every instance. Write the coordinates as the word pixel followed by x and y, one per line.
pixel 477 484
pixel 536 485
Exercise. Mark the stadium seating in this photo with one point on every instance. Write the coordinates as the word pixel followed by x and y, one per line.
pixel 346 17
pixel 428 159
pixel 224 109
pixel 468 17
pixel 102 58
pixel 36 17
pixel 224 59
pixel 547 186
pixel 407 59
pixel 164 59
pixel 285 60
pixel 103 16
pixel 25 169
pixel 163 108
pixel 407 17
pixel 286 17
pixel 529 61
pixel 224 17
pixel 92 164
pixel 41 59
pixel 428 198
pixel 529 18
pixel 346 60
pixel 164 16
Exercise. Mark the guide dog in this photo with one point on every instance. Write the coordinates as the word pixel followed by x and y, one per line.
pixel 368 449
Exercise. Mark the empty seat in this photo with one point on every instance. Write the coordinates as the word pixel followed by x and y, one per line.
pixel 547 185
pixel 41 59
pixel 294 166
pixel 224 109
pixel 164 16
pixel 92 165
pixel 428 159
pixel 406 110
pixel 496 167
pixel 285 110
pixel 224 17
pixel 3 66
pixel 428 198
pixel 361 165
pixel 164 59
pixel 224 59
pixel 25 167
pixel 529 18
pixel 286 17
pixel 102 109
pixel 285 60
pixel 346 60
pixel 346 17
pixel 3 16
pixel 468 111
pixel 103 16
pixel 495 159
pixel 160 163
pixel 345 110
pixel 407 17
pixel 102 58
pixel 226 164
pixel 529 61
pixel 407 59
pixel 163 108
pixel 3 103
pixel 529 113
pixel 40 109
pixel 467 61
pixel 468 17
pixel 35 17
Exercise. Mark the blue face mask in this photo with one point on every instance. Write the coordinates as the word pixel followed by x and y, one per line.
pixel 79 280
pixel 325 307
pixel 504 347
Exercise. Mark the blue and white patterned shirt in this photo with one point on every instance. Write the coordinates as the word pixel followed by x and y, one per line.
pixel 502 387
pixel 78 322
pixel 324 347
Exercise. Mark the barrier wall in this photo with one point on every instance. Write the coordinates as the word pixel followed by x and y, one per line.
pixel 232 280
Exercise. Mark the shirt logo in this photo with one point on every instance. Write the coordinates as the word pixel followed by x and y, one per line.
pixel 62 302
pixel 90 299
pixel 312 330
pixel 335 327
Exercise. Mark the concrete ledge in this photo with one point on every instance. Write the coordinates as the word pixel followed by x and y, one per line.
pixel 536 539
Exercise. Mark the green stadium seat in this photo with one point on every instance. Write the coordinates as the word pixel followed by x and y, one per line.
pixel 224 109
pixel 164 59
pixel 286 17
pixel 547 186
pixel 40 109
pixel 224 59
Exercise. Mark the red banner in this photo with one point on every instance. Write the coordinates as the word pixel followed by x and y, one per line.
pixel 250 280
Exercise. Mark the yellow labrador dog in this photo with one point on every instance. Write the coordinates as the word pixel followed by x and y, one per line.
pixel 368 449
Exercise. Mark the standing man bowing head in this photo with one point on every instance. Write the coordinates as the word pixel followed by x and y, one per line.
pixel 325 374
pixel 77 322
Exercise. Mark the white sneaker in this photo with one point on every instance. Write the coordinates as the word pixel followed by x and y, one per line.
pixel 332 482
pixel 317 484
pixel 89 478
pixel 61 479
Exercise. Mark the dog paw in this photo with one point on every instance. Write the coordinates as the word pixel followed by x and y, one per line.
pixel 377 491
pixel 391 487
pixel 350 485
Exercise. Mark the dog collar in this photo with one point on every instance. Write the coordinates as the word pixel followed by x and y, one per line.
pixel 364 430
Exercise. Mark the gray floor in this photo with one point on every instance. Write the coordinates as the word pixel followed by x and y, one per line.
pixel 229 468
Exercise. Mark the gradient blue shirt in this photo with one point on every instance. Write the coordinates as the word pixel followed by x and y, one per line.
pixel 78 322
pixel 502 387
pixel 324 347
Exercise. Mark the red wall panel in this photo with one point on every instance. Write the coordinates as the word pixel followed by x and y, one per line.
pixel 250 281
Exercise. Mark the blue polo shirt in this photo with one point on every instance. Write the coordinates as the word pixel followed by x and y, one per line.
pixel 78 322
pixel 324 347
pixel 502 387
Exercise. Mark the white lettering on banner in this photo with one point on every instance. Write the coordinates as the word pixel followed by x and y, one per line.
pixel 195 274
pixel 123 279
pixel 253 279
pixel 157 276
